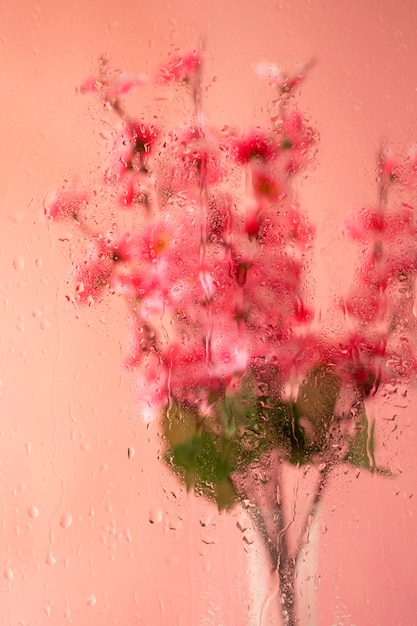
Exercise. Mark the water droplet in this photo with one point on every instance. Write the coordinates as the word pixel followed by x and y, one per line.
pixel 175 524
pixel 18 263
pixel 33 512
pixel 50 559
pixel 45 324
pixel 130 452
pixel 8 573
pixel 243 523
pixel 128 535
pixel 205 519
pixel 47 610
pixel 36 313
pixel 249 537
pixel 155 515
pixel 66 520
pixel 414 290
pixel 91 600
pixel 28 447
pixel 17 217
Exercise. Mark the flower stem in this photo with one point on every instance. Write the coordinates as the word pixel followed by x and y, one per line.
pixel 268 517
pixel 318 492
pixel 287 568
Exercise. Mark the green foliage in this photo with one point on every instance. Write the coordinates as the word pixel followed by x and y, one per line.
pixel 303 426
pixel 361 451
pixel 198 454
pixel 205 452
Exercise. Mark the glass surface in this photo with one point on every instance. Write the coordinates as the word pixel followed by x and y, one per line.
pixel 95 528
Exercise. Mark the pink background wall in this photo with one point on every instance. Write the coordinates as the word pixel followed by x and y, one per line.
pixel 67 415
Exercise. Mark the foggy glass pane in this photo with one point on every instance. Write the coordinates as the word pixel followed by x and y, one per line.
pixel 207 381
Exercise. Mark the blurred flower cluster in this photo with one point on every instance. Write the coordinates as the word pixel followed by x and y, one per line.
pixel 228 349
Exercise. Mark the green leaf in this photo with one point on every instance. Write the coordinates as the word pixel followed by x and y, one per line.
pixel 302 427
pixel 225 495
pixel 316 403
pixel 361 452
pixel 199 455
pixel 291 435
pixel 179 424
pixel 186 455
pixel 357 454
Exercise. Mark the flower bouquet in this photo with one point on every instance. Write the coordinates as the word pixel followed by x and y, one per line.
pixel 213 263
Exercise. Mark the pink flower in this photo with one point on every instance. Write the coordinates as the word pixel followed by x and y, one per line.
pixel 374 224
pixel 297 227
pixel 368 223
pixel 214 271
pixel 91 278
pixel 389 167
pixel 219 217
pixel 180 67
pixel 409 169
pixel 130 192
pixel 154 241
pixel 267 186
pixel 253 219
pixel 360 358
pixel 134 141
pixel 143 263
pixel 195 156
pixel 391 250
pixel 141 136
pixel 152 387
pixel 365 301
pixel 110 84
pixel 284 81
pixel 199 152
pixel 296 356
pixel 255 144
pixel 190 379
pixel 120 247
pixel 97 273
pixel 303 313
pixel 62 204
pixel 296 141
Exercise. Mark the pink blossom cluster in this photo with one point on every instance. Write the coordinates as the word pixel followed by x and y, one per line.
pixel 215 270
